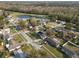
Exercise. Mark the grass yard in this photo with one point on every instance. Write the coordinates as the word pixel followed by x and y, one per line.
pixel 29 50
pixel 74 40
pixel 35 53
pixel 33 34
pixel 13 30
pixel 18 38
pixel 15 14
pixel 73 48
pixel 26 48
pixel 62 41
pixel 58 53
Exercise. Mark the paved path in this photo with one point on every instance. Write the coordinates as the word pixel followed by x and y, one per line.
pixel 74 44
pixel 65 43
pixel 71 43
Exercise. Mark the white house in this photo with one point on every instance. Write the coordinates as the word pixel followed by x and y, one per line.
pixel 11 46
pixel 6 33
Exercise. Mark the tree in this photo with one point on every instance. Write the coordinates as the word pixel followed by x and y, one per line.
pixel 42 53
pixel 68 26
pixel 52 17
pixel 1 54
pixel 14 8
pixel 5 13
pixel 6 21
pixel 33 53
pixel 22 23
pixel 51 33
pixel 1 22
pixel 34 21
pixel 1 41
pixel 49 17
pixel 77 27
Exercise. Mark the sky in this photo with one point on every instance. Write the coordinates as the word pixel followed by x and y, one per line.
pixel 39 0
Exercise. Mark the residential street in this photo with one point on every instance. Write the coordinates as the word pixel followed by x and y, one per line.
pixel 29 40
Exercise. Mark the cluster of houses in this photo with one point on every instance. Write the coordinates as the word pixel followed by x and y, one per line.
pixel 10 43
pixel 53 42
pixel 4 33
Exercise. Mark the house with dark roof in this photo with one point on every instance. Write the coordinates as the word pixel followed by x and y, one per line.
pixel 51 42
pixel 42 35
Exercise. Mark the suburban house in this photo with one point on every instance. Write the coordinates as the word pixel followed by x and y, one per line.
pixel 19 54
pixel 5 33
pixel 42 35
pixel 12 44
pixel 51 42
pixel 61 22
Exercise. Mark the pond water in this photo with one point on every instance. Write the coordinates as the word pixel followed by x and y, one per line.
pixel 24 16
pixel 27 17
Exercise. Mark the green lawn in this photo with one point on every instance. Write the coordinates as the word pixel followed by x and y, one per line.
pixel 33 34
pixel 35 53
pixel 18 38
pixel 55 51
pixel 62 41
pixel 13 30
pixel 75 40
pixel 29 50
pixel 26 48
pixel 73 48
pixel 15 14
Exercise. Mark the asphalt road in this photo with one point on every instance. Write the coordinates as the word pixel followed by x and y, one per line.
pixel 29 40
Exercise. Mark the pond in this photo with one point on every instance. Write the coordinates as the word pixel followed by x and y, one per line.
pixel 24 16
pixel 28 16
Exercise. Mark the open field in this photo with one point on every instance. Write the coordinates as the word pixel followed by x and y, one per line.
pixel 35 53
pixel 73 48
pixel 15 14
pixel 58 53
